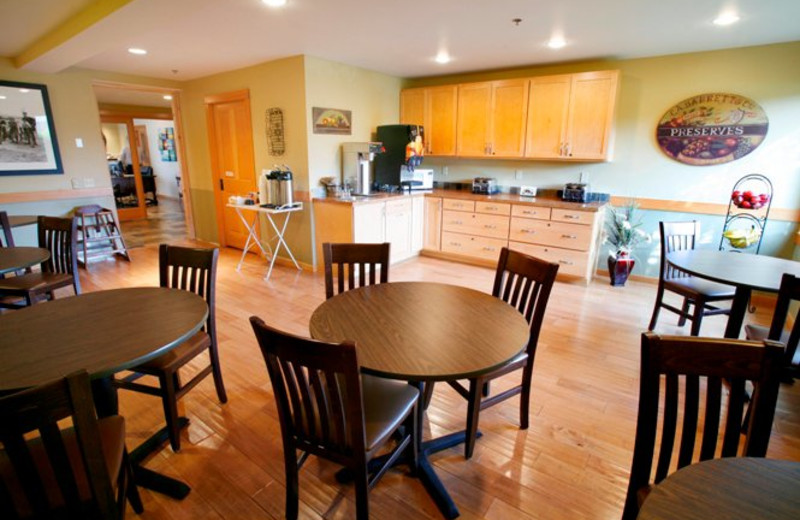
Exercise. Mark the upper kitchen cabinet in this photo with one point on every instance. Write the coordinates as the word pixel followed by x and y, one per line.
pixel 571 116
pixel 491 118
pixel 435 109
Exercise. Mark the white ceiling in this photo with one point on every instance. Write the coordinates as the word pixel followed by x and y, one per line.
pixel 201 37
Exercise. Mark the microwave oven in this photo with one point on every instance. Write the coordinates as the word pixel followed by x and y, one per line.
pixel 417 179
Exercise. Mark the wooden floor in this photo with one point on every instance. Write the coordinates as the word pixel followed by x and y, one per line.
pixel 572 463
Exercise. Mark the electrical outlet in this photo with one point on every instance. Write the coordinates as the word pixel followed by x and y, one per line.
pixel 444 171
pixel 88 182
pixel 527 191
pixel 77 184
pixel 79 142
pixel 584 178
pixel 518 175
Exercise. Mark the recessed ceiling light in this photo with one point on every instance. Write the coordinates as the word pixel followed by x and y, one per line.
pixel 726 19
pixel 443 57
pixel 134 50
pixel 556 42
pixel 274 3
pixel 2 97
pixel 167 97
pixel 24 90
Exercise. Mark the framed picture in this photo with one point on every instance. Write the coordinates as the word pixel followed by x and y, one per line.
pixel 331 121
pixel 166 144
pixel 28 144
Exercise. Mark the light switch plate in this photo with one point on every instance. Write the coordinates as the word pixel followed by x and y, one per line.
pixel 527 191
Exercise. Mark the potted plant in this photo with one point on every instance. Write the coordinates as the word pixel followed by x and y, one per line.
pixel 624 234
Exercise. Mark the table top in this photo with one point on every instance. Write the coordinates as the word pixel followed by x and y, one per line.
pixel 22 220
pixel 13 258
pixel 729 488
pixel 103 332
pixel 757 272
pixel 423 331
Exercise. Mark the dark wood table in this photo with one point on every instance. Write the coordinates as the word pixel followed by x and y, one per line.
pixel 423 332
pixel 102 332
pixel 731 488
pixel 744 271
pixel 15 258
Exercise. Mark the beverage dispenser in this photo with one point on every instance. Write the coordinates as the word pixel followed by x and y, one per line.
pixel 358 167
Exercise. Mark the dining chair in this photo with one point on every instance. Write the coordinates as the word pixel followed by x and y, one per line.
pixel 7 237
pixel 788 294
pixel 691 367
pixel 57 235
pixel 356 265
pixel 680 236
pixel 523 282
pixel 80 471
pixel 326 408
pixel 194 270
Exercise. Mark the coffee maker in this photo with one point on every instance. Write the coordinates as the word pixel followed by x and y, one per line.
pixel 358 169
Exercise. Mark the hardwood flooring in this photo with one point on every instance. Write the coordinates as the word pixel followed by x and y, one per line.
pixel 572 462
pixel 164 223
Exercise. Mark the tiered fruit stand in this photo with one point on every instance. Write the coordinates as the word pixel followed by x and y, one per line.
pixel 748 211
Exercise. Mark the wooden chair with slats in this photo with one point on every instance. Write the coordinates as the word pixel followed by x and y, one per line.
pixel 788 294
pixel 702 294
pixel 690 367
pixel 60 270
pixel 326 408
pixel 195 270
pixel 81 471
pixel 355 265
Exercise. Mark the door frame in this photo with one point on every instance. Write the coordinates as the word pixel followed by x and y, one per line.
pixel 139 211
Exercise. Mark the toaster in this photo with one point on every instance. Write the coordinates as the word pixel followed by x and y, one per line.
pixel 485 185
pixel 575 192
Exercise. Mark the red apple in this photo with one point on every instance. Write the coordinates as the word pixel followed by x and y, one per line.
pixel 757 205
pixel 745 204
pixel 735 194
pixel 747 195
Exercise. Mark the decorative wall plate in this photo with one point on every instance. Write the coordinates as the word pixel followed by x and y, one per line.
pixel 712 129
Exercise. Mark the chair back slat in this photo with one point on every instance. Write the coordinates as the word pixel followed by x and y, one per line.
pixel 57 235
pixel 710 360
pixel 7 239
pixel 313 384
pixel 194 270
pixel 348 266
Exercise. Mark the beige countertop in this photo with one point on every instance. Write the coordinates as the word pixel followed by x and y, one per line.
pixel 549 202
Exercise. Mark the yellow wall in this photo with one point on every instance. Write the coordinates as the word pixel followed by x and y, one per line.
pixel 770 75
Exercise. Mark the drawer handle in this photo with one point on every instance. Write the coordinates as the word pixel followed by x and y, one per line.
pixel 565 262
pixel 528 212
pixel 492 208
pixel 490 226
pixel 531 231
pixel 457 222
pixel 569 236
pixel 487 248
pixel 573 217
pixel 457 244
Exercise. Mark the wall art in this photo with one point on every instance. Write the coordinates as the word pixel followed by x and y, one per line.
pixel 331 121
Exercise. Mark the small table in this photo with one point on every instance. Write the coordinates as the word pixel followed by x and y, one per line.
pixel 423 332
pixel 102 332
pixel 745 272
pixel 252 236
pixel 737 487
pixel 15 258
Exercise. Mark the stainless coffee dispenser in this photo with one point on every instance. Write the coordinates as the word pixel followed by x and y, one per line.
pixel 358 167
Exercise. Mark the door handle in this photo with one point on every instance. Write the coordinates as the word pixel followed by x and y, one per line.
pixel 221 185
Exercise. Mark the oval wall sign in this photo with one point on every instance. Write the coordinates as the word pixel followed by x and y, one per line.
pixel 712 129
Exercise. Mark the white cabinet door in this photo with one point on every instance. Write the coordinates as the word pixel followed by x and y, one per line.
pixel 417 224
pixel 398 228
pixel 369 223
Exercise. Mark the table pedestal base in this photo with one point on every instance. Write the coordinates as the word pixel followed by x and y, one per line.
pixel 150 479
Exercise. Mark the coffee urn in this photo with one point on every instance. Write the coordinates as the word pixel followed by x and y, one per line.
pixel 280 192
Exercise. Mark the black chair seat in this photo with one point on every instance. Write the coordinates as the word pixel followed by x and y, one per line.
pixel 35 281
pixel 386 404
pixel 693 286
pixel 178 356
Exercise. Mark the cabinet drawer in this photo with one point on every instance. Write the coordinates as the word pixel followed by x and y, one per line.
pixel 470 245
pixel 458 205
pixel 398 207
pixel 530 212
pixel 570 236
pixel 574 217
pixel 569 262
pixel 494 226
pixel 494 208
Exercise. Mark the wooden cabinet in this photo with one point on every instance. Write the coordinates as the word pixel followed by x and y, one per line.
pixel 474 229
pixel 369 223
pixel 571 116
pixel 435 109
pixel 397 228
pixel 432 231
pixel 491 118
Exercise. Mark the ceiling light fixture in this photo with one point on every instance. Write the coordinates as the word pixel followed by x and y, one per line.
pixel 167 97
pixel 275 3
pixel 443 57
pixel 556 42
pixel 727 18
pixel 2 97
pixel 24 90
pixel 137 51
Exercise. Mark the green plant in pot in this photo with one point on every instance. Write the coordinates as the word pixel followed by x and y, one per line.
pixel 624 233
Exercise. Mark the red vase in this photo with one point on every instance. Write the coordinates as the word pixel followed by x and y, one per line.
pixel 619 267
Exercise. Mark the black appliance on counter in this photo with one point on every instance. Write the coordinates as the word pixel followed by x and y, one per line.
pixel 575 192
pixel 403 146
pixel 485 185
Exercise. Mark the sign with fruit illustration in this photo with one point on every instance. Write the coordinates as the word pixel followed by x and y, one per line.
pixel 712 129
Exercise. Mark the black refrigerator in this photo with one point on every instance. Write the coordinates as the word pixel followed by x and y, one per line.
pixel 402 149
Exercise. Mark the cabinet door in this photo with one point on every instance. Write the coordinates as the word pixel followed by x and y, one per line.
pixel 398 229
pixel 591 116
pixel 369 223
pixel 509 110
pixel 412 106
pixel 474 104
pixel 432 239
pixel 548 108
pixel 417 224
pixel 440 120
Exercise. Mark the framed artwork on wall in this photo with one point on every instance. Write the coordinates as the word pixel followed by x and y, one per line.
pixel 166 144
pixel 332 121
pixel 28 144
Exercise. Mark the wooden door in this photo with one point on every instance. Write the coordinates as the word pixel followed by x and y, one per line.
pixel 440 129
pixel 230 140
pixel 548 107
pixel 591 116
pixel 509 111
pixel 474 104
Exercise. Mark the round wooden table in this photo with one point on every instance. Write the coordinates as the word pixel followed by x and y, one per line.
pixel 730 488
pixel 744 271
pixel 15 258
pixel 102 332
pixel 419 331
